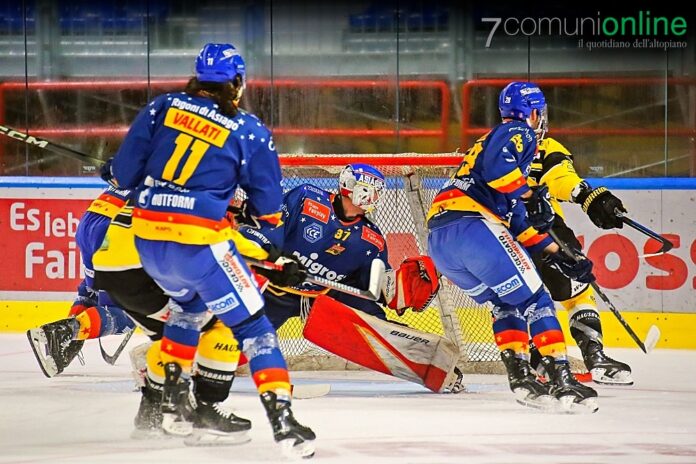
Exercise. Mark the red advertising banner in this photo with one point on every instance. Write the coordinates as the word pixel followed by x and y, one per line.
pixel 38 244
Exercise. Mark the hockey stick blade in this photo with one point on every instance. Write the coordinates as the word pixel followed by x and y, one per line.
pixel 652 338
pixel 309 391
pixel 111 358
pixel 666 244
pixel 47 145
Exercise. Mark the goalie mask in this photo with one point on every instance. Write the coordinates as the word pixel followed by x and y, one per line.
pixel 363 184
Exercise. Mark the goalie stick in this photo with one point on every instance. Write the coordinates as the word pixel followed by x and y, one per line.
pixel 653 335
pixel 372 293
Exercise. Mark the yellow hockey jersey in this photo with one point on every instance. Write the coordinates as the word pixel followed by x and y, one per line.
pixel 118 253
pixel 553 166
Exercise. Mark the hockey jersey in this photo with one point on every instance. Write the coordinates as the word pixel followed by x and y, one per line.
pixel 110 202
pixel 489 182
pixel 328 247
pixel 185 161
pixel 553 166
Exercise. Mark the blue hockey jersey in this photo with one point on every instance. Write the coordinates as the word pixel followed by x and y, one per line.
pixel 185 161
pixel 328 247
pixel 489 182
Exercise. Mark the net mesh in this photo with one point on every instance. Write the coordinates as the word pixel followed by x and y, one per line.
pixel 453 314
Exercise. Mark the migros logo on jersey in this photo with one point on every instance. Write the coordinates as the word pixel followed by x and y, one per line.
pixel 317 269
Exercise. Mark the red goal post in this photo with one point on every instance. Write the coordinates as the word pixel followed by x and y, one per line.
pixel 412 181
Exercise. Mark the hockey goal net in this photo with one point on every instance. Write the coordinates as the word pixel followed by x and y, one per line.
pixel 412 182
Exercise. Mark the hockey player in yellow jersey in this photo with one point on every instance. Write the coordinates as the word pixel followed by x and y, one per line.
pixel 553 167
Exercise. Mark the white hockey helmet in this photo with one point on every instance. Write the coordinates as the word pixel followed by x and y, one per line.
pixel 363 184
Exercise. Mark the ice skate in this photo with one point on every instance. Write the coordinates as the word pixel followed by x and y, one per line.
pixel 295 439
pixel 605 370
pixel 213 424
pixel 175 401
pixel 524 384
pixel 455 382
pixel 53 345
pixel 573 396
pixel 148 421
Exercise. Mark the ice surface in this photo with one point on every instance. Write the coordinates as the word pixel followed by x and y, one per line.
pixel 85 416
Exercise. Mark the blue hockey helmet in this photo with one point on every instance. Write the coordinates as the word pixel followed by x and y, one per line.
pixel 220 63
pixel 518 99
pixel 363 184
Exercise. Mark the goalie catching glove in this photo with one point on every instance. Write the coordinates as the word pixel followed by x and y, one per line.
pixel 413 285
pixel 291 272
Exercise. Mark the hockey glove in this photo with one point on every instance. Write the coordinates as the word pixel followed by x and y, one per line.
pixel 292 273
pixel 580 270
pixel 106 174
pixel 601 206
pixel 540 213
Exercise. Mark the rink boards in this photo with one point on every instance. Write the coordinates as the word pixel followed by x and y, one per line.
pixel 39 216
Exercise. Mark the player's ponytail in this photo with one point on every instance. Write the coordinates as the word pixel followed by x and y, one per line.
pixel 225 94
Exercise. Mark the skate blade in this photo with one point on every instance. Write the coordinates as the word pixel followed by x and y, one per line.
pixel 175 427
pixel 208 437
pixel 293 450
pixel 568 405
pixel 599 375
pixel 37 340
pixel 542 402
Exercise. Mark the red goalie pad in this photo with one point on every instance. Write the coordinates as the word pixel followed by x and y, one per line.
pixel 416 284
pixel 392 349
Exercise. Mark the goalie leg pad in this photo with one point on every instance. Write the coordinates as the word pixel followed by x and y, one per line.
pixel 392 349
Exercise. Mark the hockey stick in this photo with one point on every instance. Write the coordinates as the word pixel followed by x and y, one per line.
pixel 47 145
pixel 666 244
pixel 111 358
pixel 653 335
pixel 372 293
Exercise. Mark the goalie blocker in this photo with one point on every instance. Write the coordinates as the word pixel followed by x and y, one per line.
pixel 399 351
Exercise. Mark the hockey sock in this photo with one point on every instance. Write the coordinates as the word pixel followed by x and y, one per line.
pixel 266 362
pixel 99 321
pixel 585 325
pixel 216 360
pixel 510 330
pixel 180 338
pixel 86 298
pixel 547 334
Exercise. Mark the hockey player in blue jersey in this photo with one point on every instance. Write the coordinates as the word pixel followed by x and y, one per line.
pixel 185 154
pixel 477 223
pixel 93 313
pixel 331 235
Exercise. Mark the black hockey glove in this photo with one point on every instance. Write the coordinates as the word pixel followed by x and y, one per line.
pixel 292 273
pixel 540 213
pixel 106 175
pixel 580 270
pixel 601 206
